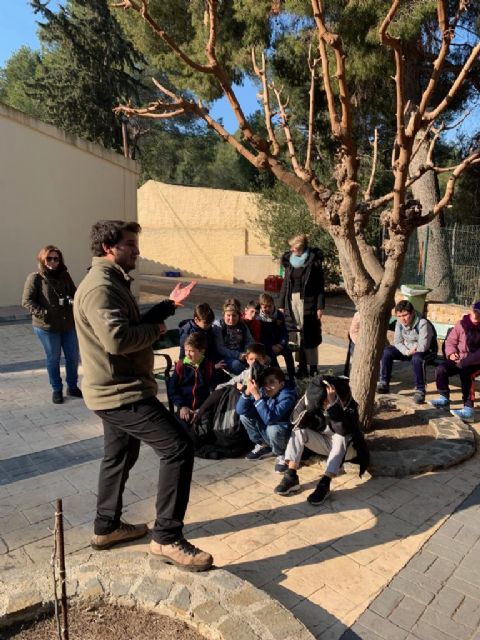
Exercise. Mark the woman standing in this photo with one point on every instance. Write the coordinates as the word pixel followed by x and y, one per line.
pixel 48 296
pixel 303 294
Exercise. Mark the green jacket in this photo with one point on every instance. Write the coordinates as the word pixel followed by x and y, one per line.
pixel 116 349
pixel 42 296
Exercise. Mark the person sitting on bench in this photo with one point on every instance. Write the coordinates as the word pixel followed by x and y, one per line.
pixel 462 356
pixel 415 340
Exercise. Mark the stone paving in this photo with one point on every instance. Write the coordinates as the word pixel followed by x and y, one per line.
pixel 326 565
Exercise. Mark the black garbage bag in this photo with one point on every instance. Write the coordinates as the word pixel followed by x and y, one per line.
pixel 219 433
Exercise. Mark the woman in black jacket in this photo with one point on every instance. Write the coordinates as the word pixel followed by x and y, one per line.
pixel 303 295
pixel 48 296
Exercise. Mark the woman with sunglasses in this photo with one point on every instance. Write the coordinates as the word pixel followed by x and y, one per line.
pixel 48 296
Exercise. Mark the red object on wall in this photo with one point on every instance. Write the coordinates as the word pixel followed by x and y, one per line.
pixel 273 284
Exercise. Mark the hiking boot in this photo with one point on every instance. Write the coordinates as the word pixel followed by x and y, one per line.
pixel 124 533
pixel 259 452
pixel 57 397
pixel 466 414
pixel 383 387
pixel 419 397
pixel 182 554
pixel 289 484
pixel 440 403
pixel 75 392
pixel 318 496
pixel 280 466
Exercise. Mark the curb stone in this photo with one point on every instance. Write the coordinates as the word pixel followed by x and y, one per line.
pixel 214 602
pixel 454 442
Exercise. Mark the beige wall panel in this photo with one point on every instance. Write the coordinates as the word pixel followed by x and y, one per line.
pixel 52 188
pixel 254 269
pixel 163 206
pixel 195 252
pixel 205 229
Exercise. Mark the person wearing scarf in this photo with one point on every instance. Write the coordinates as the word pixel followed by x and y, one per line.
pixel 303 297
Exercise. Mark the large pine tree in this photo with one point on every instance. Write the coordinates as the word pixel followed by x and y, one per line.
pixel 87 68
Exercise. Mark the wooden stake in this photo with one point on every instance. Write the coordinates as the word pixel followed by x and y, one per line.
pixel 61 564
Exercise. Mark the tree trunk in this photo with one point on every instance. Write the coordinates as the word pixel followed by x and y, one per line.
pixel 374 317
pixel 438 271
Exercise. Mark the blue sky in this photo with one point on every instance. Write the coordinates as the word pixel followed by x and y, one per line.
pixel 18 27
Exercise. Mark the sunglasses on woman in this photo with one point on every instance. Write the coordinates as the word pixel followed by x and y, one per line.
pixel 53 259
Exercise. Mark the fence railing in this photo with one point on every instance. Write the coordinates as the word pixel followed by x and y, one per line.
pixel 463 245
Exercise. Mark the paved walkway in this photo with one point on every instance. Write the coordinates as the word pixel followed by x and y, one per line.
pixel 390 536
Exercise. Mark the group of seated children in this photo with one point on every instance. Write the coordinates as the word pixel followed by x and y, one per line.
pixel 246 348
pixel 416 341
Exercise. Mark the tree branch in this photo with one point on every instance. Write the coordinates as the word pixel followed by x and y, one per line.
pixel 260 72
pixel 459 80
pixel 312 63
pixel 368 192
pixel 396 45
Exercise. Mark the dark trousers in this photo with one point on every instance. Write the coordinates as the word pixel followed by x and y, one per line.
pixel 446 370
pixel 287 356
pixel 124 428
pixel 391 353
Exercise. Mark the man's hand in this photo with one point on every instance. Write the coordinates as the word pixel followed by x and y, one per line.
pixel 412 351
pixel 319 314
pixel 185 414
pixel 277 348
pixel 181 292
pixel 252 389
pixel 454 356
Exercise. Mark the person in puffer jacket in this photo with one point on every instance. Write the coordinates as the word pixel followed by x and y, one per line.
pixel 193 378
pixel 462 356
pixel 264 411
pixel 325 421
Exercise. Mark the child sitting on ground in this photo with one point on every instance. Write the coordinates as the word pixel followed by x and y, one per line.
pixel 193 378
pixel 274 334
pixel 232 336
pixel 326 421
pixel 257 362
pixel 202 322
pixel 251 320
pixel 264 409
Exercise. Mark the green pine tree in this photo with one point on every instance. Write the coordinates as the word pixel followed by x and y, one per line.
pixel 87 68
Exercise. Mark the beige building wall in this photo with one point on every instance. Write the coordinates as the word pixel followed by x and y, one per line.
pixel 201 232
pixel 52 188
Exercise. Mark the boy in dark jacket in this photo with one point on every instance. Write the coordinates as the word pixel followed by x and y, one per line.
pixel 202 322
pixel 274 334
pixel 265 413
pixel 333 431
pixel 193 378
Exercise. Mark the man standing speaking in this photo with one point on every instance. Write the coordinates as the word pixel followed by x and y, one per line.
pixel 119 386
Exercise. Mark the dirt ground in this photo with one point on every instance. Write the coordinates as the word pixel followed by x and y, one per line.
pixel 389 427
pixel 104 622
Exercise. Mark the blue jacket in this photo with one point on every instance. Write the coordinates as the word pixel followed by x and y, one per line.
pixel 190 386
pixel 276 410
pixel 187 327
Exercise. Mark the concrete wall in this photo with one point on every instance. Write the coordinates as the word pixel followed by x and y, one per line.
pixel 201 232
pixel 52 188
